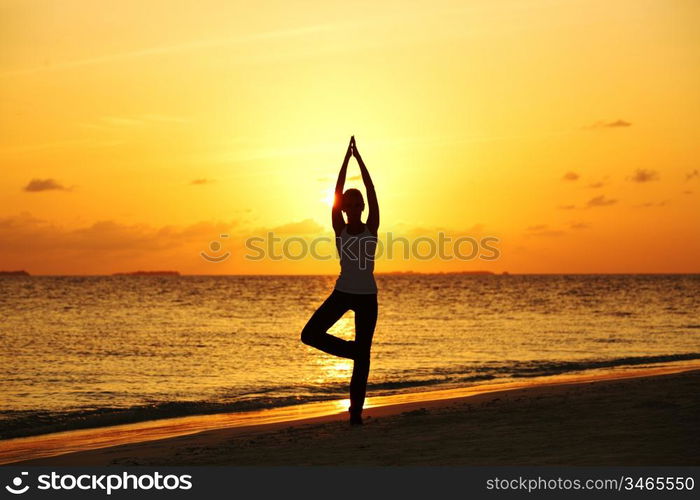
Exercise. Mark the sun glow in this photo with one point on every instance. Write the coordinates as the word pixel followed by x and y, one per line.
pixel 333 370
pixel 329 197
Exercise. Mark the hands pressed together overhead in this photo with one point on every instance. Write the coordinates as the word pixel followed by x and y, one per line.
pixel 352 149
pixel 373 215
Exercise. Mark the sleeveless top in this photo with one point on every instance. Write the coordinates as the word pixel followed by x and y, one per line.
pixel 356 262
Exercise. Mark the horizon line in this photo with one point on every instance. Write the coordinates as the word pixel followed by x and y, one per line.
pixel 389 273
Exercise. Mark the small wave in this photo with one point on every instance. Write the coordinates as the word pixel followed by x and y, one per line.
pixel 611 340
pixel 393 385
pixel 536 368
pixel 557 367
pixel 14 423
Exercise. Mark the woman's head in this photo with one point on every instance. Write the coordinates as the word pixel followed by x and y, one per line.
pixel 353 202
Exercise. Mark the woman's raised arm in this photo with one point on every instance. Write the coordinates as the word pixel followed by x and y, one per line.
pixel 336 212
pixel 373 215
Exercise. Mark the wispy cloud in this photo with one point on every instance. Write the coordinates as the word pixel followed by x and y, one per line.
pixel 118 120
pixel 600 201
pixel 37 185
pixel 650 204
pixel 67 144
pixel 104 246
pixel 103 123
pixel 603 124
pixel 164 118
pixel 306 226
pixel 167 49
pixel 644 175
pixel 199 182
pixel 570 176
pixel 262 152
pixel 138 120
pixel 692 175
pixel 328 178
pixel 543 230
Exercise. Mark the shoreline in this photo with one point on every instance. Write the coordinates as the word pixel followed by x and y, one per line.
pixel 42 422
pixel 158 442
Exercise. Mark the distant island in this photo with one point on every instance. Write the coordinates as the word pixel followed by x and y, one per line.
pixel 14 273
pixel 148 273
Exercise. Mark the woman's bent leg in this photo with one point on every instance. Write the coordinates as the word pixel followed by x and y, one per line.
pixel 365 321
pixel 315 332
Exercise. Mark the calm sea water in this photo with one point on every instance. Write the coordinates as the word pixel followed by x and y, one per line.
pixel 79 349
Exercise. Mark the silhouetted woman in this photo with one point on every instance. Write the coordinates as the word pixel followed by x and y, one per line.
pixel 355 288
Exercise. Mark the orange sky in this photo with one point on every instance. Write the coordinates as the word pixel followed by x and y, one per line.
pixel 133 134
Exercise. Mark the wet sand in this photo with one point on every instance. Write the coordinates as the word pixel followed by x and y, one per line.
pixel 645 417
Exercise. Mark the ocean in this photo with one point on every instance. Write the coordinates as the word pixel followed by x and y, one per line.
pixel 87 351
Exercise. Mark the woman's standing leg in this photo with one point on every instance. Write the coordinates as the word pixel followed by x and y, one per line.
pixel 315 332
pixel 365 320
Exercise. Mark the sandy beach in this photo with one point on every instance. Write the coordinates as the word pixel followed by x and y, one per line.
pixel 648 417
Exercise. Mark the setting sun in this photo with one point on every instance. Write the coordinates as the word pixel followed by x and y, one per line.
pixel 329 198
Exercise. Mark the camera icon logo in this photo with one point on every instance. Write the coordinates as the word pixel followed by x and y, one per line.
pixel 16 488
pixel 214 247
